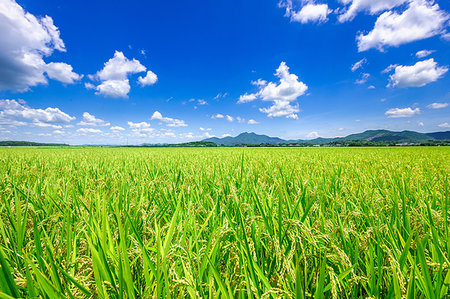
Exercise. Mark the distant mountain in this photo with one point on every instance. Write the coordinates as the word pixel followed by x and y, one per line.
pixel 246 138
pixel 370 135
pixel 440 135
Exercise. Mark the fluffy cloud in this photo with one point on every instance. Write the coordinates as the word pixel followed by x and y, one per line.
pixel 421 20
pixel 424 53
pixel 358 64
pixel 310 12
pixel 418 75
pixel 149 79
pixel 282 94
pixel 313 135
pixel 229 118
pixel 24 42
pixel 252 122
pixel 371 6
pixel 114 76
pixel 170 122
pixel 88 130
pixel 62 72
pixel 401 112
pixel 281 108
pixel 141 125
pixel 218 115
pixel 437 105
pixel 444 125
pixel 17 113
pixel 117 129
pixel 92 121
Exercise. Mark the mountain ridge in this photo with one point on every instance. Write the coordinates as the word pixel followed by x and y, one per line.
pixel 368 135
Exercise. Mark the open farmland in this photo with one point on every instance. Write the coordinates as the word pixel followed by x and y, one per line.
pixel 225 222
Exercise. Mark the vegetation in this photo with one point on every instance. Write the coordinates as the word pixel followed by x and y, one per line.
pixel 225 222
pixel 28 143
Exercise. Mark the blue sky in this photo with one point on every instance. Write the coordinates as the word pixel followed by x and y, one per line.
pixel 111 72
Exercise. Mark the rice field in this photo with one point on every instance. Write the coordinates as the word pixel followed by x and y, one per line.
pixel 225 222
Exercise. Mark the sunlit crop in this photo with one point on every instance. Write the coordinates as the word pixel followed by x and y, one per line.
pixel 225 222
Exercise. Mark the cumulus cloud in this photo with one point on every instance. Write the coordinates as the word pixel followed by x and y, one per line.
pixel 24 42
pixel 92 121
pixel 313 135
pixel 141 125
pixel 370 6
pixel 149 79
pixel 205 129
pixel 310 12
pixel 444 125
pixel 252 122
pixel 217 116
pixel 62 72
pixel 401 112
pixel 424 53
pixel 417 75
pixel 18 113
pixel 421 20
pixel 114 76
pixel 281 94
pixel 117 129
pixel 170 122
pixel 229 118
pixel 437 105
pixel 88 130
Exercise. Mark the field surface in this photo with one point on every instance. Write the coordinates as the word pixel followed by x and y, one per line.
pixel 225 222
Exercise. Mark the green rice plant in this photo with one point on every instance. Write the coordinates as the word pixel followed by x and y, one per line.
pixel 224 222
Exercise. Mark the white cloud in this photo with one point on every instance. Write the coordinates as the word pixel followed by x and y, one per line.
pixel 245 98
pixel 225 135
pixel 202 102
pixel 229 118
pixel 310 12
pixel 282 94
pixel 358 64
pixel 240 119
pixel 62 72
pixel 218 115
pixel 364 78
pixel 252 122
pixel 117 129
pixel 92 121
pixel 119 67
pixel 58 132
pixel 13 112
pixel 205 129
pixel 170 122
pixel 114 76
pixel 141 125
pixel 371 6
pixel 89 130
pixel 24 42
pixel 420 124
pixel 402 112
pixel 220 95
pixel 313 135
pixel 421 20
pixel 444 125
pixel 114 88
pixel 418 75
pixel 437 105
pixel 281 108
pixel 149 79
pixel 424 53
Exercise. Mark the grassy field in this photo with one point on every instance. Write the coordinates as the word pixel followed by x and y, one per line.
pixel 225 222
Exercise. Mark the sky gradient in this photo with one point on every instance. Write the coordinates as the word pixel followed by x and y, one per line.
pixel 117 72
